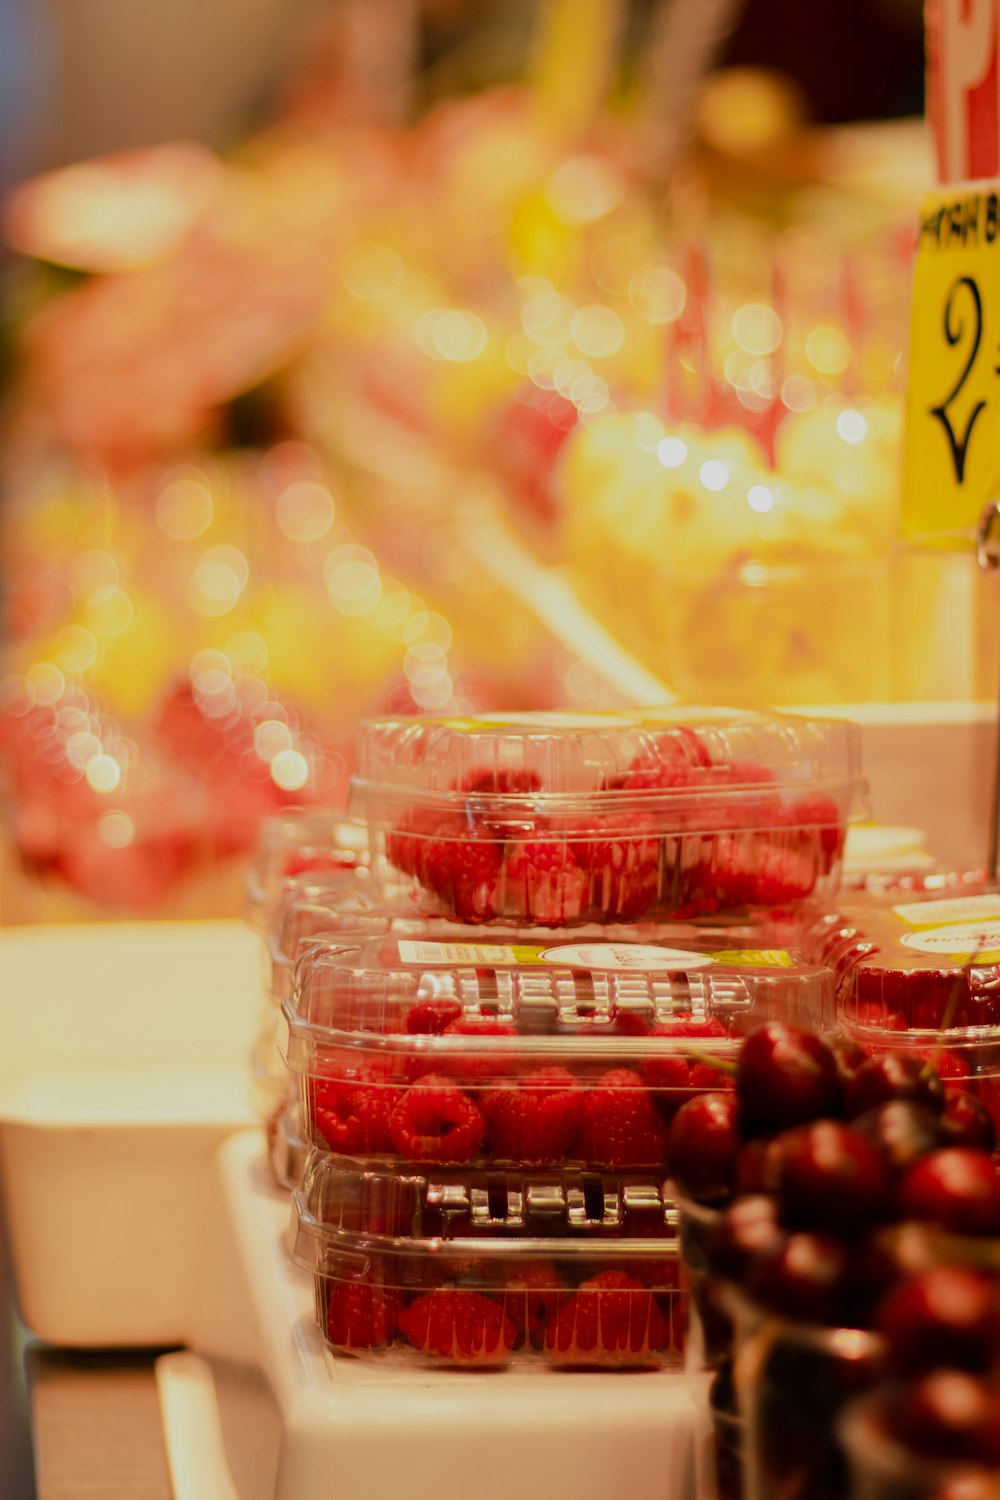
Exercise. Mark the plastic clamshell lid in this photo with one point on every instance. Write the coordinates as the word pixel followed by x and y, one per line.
pixel 343 1205
pixel 335 914
pixel 914 960
pixel 596 998
pixel 303 843
pixel 678 750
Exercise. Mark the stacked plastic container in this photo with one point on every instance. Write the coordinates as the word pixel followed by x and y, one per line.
pixel 562 929
pixel 920 972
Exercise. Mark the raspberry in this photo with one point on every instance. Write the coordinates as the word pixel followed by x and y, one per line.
pixel 620 1125
pixel 611 1320
pixel 676 1077
pixel 476 1066
pixel 531 1296
pixel 817 812
pixel 405 844
pixel 491 779
pixel 624 867
pixel 359 1315
pixel 435 1121
pixel 352 1114
pixel 755 872
pixel 650 773
pixel 536 1120
pixel 432 1017
pixel 459 1325
pixel 544 882
pixel 463 869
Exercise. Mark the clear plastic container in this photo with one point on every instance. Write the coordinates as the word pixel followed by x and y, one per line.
pixel 561 820
pixel 413 1051
pixel 334 910
pixel 310 841
pixel 569 1270
pixel 287 1150
pixel 708 1345
pixel 793 1380
pixel 915 962
pixel 881 1468
pixel 965 1060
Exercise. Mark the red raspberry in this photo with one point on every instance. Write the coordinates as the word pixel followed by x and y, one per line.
pixel 611 1320
pixel 406 844
pixel 536 1120
pixel 435 1121
pixel 818 813
pixel 463 870
pixel 724 804
pixel 531 1296
pixel 359 1315
pixel 462 1326
pixel 478 1065
pixel 751 871
pixel 649 773
pixel 432 1017
pixel 624 867
pixel 676 1077
pixel 545 883
pixel 490 780
pixel 620 1125
pixel 352 1114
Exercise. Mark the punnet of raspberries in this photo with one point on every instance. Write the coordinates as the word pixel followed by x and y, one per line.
pixel 677 833
pixel 531 1311
pixel 488 1104
pixel 847 1206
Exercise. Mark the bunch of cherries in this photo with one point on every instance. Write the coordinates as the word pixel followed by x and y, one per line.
pixel 840 1182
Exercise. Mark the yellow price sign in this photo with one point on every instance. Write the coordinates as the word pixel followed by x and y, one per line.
pixel 952 453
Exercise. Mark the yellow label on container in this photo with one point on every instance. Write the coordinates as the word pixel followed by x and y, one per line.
pixel 756 958
pixel 952 452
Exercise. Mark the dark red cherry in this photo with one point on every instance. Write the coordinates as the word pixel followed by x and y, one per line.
pixel 949 1316
pixel 756 1167
pixel 901 1130
pixel 969 1487
pixel 785 1077
pixel 749 1227
pixel 702 1143
pixel 849 1055
pixel 806 1279
pixel 894 1075
pixel 948 1415
pixel 829 1177
pixel 956 1188
pixel 889 1256
pixel 966 1121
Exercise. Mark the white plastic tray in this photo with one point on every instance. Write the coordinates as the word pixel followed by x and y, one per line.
pixel 434 1435
pixel 123 1066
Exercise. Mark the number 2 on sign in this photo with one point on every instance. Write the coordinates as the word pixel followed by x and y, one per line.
pixel 954 332
pixel 951 460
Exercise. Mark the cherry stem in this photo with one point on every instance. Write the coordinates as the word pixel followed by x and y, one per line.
pixel 711 1060
pixel 961 983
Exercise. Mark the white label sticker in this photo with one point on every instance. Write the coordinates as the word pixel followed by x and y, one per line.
pixel 958 909
pixel 966 938
pixel 647 956
pixel 624 956
pixel 458 953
